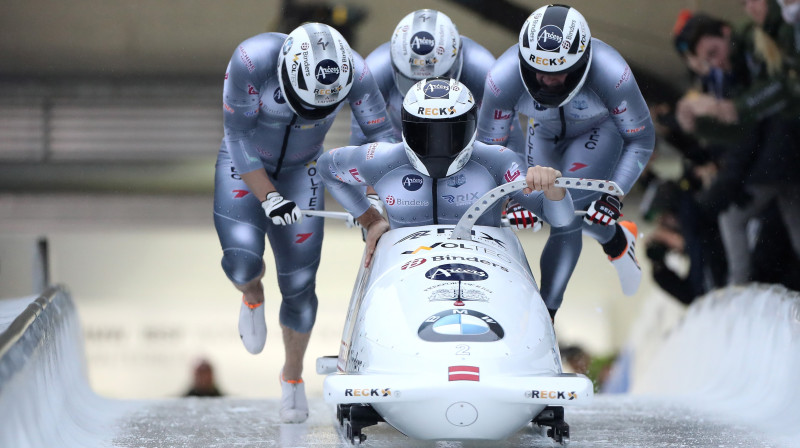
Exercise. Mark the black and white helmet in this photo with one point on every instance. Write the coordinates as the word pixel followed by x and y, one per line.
pixel 555 40
pixel 439 126
pixel 425 44
pixel 315 70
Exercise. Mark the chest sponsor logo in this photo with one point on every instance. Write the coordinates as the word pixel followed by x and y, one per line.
pixel 460 325
pixel 393 201
pixel 549 38
pixel 460 199
pixel 412 182
pixel 277 95
pixel 456 180
pixel 422 43
pixel 327 72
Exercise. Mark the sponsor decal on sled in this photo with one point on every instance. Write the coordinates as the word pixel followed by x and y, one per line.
pixel 552 394
pixel 463 373
pixel 387 392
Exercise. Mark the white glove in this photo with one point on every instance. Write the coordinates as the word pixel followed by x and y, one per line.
pixel 376 202
pixel 604 211
pixel 282 212
pixel 519 218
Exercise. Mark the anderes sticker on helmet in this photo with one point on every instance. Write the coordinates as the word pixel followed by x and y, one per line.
pixel 422 42
pixel 437 88
pixel 327 71
pixel 549 38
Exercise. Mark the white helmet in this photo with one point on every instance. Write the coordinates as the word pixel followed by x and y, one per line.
pixel 555 40
pixel 439 126
pixel 315 70
pixel 425 44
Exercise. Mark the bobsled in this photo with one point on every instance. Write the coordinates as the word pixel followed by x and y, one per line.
pixel 447 338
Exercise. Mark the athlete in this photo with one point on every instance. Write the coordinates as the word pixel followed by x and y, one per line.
pixel 280 97
pixel 439 170
pixel 426 44
pixel 587 118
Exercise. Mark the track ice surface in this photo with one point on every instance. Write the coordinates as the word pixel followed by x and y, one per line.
pixel 610 421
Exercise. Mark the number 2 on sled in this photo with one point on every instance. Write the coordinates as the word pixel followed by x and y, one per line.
pixel 462 350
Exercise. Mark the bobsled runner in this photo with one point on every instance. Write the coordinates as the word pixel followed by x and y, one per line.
pixel 447 338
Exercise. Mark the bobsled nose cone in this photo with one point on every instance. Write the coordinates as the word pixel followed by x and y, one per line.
pixel 461 414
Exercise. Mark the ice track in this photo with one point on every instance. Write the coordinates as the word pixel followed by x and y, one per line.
pixel 725 377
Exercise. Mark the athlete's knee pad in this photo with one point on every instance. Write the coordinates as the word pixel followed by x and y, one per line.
pixel 241 266
pixel 299 311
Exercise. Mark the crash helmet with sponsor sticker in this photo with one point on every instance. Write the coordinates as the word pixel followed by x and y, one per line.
pixel 315 70
pixel 555 40
pixel 439 125
pixel 425 44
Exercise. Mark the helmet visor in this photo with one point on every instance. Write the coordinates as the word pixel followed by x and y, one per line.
pixel 437 143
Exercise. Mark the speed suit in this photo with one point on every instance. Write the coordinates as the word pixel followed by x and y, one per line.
pixel 414 199
pixel 262 132
pixel 477 61
pixel 604 132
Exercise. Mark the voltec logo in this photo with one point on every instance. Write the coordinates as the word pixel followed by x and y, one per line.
pixel 549 38
pixel 471 247
pixel 457 272
pixel 422 43
pixel 412 182
pixel 327 72
pixel 436 89
pixel 413 263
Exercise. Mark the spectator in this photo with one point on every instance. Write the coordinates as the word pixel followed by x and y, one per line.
pixel 203 384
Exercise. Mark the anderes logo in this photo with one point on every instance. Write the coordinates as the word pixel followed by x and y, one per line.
pixel 549 38
pixel 457 272
pixel 436 89
pixel 412 182
pixel 277 95
pixel 327 71
pixel 422 42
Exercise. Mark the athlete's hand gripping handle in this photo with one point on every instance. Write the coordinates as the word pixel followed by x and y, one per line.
pixel 281 211
pixel 604 211
pixel 519 218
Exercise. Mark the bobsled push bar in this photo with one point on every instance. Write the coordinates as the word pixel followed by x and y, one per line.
pixel 346 217
pixel 464 226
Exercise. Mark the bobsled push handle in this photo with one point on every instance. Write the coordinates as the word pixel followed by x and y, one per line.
pixel 464 227
pixel 344 216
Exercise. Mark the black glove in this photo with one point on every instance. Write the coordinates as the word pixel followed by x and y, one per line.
pixel 604 211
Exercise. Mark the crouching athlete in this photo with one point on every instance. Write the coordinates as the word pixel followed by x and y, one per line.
pixel 423 179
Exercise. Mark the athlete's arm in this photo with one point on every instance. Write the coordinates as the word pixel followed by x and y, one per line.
pixel 339 169
pixel 368 105
pixel 614 83
pixel 501 93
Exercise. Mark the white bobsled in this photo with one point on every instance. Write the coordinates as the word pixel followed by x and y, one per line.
pixel 449 338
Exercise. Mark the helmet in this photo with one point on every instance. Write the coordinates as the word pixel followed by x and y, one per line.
pixel 315 70
pixel 555 40
pixel 425 44
pixel 439 126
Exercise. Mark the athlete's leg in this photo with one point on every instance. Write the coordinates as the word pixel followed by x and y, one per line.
pixel 296 249
pixel 240 223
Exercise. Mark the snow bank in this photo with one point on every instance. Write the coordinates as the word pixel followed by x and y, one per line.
pixel 736 352
pixel 45 398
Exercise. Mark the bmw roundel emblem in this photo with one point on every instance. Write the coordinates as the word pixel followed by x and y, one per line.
pixel 460 325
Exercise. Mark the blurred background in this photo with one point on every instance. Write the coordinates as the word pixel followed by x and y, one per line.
pixel 110 122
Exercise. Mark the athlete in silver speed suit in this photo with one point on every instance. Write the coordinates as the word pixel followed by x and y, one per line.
pixel 587 118
pixel 426 44
pixel 439 170
pixel 280 97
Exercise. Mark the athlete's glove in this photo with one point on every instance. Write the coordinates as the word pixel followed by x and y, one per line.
pixel 604 211
pixel 519 218
pixel 376 202
pixel 282 211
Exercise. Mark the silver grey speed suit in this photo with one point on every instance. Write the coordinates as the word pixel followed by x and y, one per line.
pixel 477 61
pixel 262 132
pixel 604 132
pixel 413 199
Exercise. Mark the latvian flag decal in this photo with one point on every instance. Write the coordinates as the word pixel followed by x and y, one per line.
pixel 464 373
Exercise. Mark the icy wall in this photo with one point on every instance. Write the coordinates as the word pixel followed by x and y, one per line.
pixel 45 399
pixel 737 352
